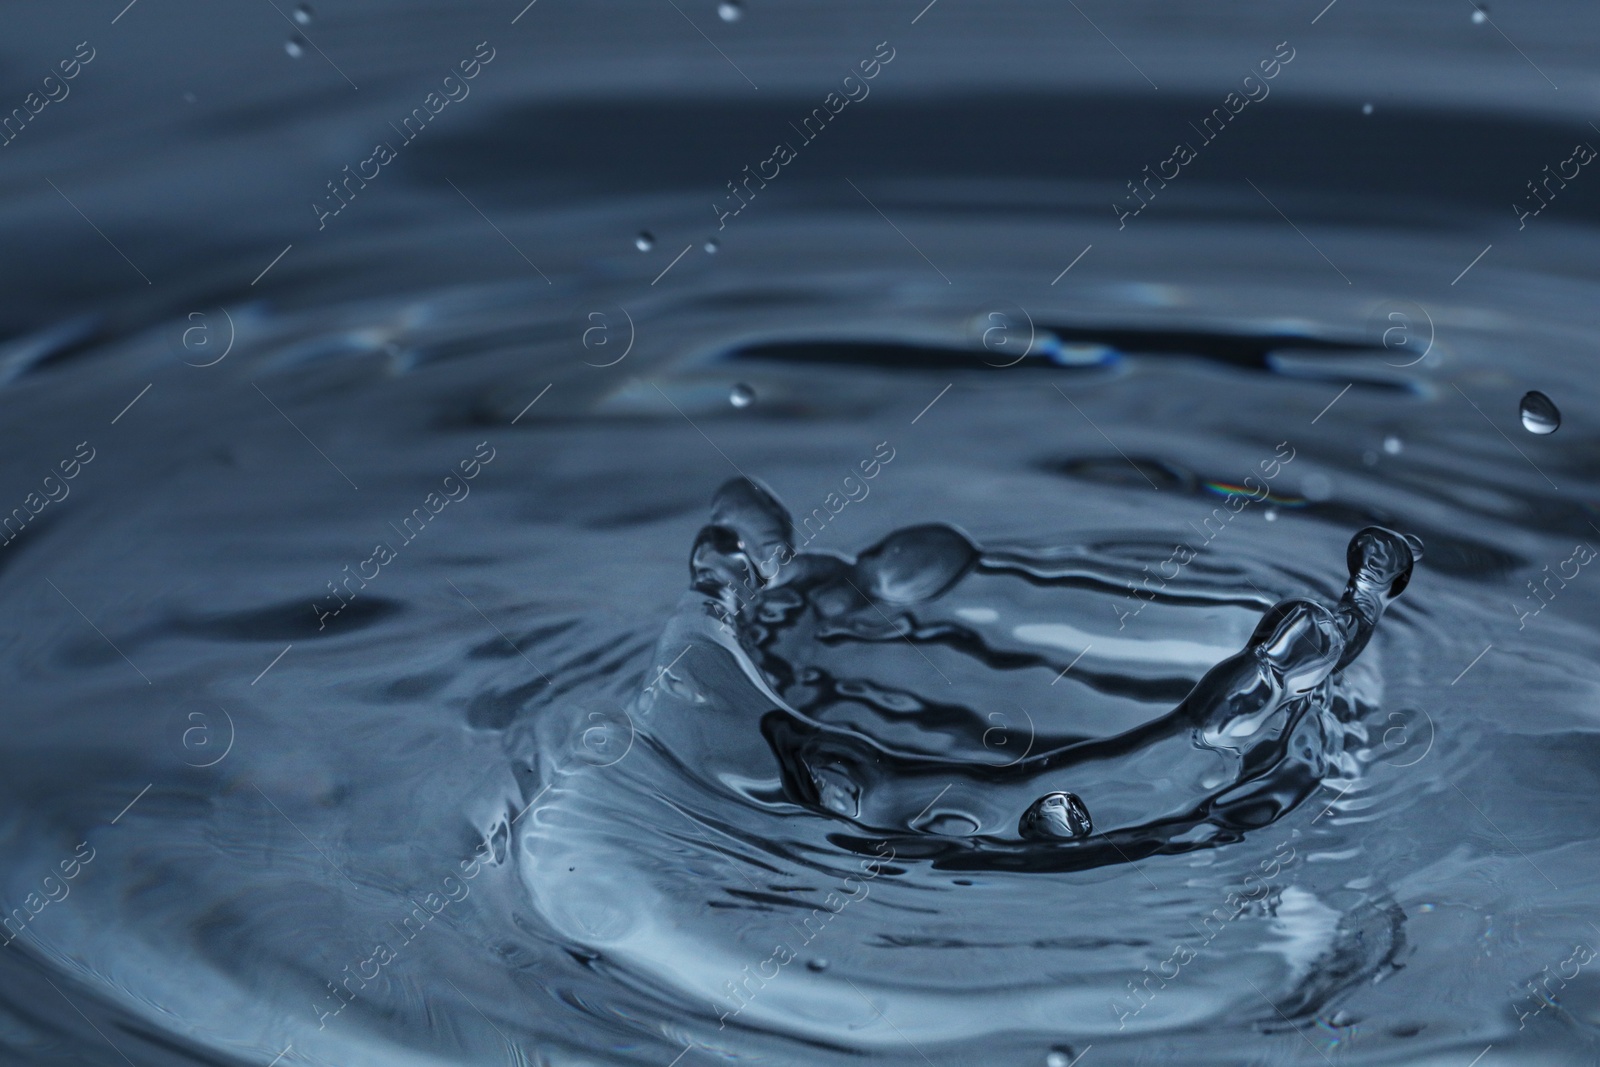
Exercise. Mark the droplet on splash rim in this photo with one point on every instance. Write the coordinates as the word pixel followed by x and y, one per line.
pixel 1060 816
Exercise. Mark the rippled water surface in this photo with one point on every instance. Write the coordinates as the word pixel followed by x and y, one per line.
pixel 958 600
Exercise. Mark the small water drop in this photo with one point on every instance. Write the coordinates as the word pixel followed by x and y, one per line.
pixel 1316 487
pixel 1539 414
pixel 731 10
pixel 1060 1056
pixel 741 396
pixel 711 245
pixel 1056 816
pixel 645 241
pixel 1393 445
pixel 302 14
pixel 914 565
pixel 295 46
pixel 819 964
pixel 836 791
pixel 1479 17
pixel 1366 109
pixel 1271 514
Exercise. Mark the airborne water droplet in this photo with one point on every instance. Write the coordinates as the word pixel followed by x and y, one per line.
pixel 741 396
pixel 1392 445
pixel 819 964
pixel 645 241
pixel 302 14
pixel 1366 109
pixel 1059 1057
pixel 730 10
pixel 1056 816
pixel 1479 17
pixel 711 245
pixel 1539 414
pixel 295 46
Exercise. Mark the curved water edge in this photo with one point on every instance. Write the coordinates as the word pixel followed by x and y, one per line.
pixel 796 811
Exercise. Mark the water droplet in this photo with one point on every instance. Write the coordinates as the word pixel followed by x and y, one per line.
pixel 835 790
pixel 1271 514
pixel 1392 445
pixel 645 241
pixel 1316 486
pixel 741 396
pixel 1060 1056
pixel 1056 816
pixel 295 46
pixel 819 965
pixel 763 526
pixel 1539 414
pixel 731 10
pixel 1479 17
pixel 719 563
pixel 712 245
pixel 1366 109
pixel 302 14
pixel 915 564
pixel 1382 560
